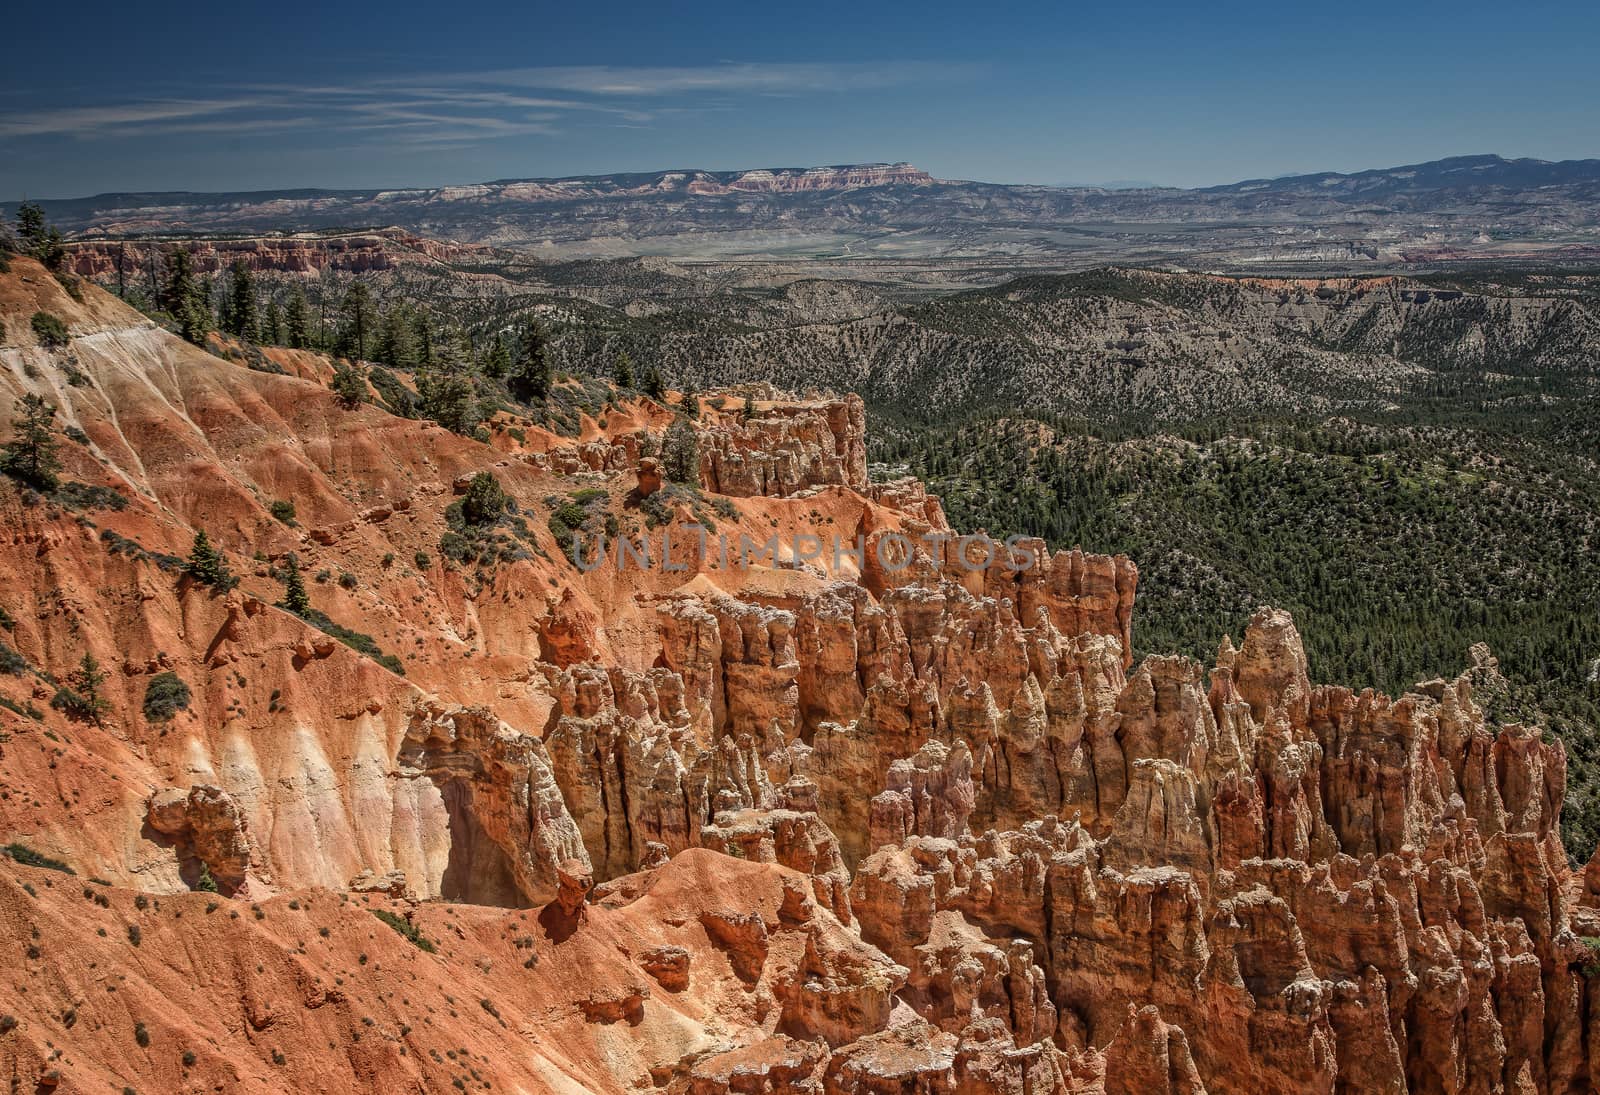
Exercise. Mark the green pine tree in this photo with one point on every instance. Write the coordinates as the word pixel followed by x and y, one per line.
pixel 529 380
pixel 208 566
pixel 297 321
pixel 243 318
pixel 30 456
pixel 623 373
pixel 295 598
pixel 422 338
pixel 654 386
pixel 445 394
pixel 484 501
pixel 396 345
pixel 39 239
pixel 195 320
pixel 497 362
pixel 680 453
pixel 179 288
pixel 359 313
pixel 85 681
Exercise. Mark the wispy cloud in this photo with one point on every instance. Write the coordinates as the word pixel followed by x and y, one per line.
pixel 730 76
pixel 100 119
pixel 466 107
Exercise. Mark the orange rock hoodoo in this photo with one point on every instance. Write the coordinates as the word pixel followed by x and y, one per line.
pixel 784 828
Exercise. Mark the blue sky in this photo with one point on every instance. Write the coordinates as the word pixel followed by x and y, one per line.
pixel 252 96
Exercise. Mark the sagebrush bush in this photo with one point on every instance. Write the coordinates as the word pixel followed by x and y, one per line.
pixel 49 329
pixel 165 696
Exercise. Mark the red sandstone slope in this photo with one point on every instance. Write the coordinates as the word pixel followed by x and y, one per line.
pixel 314 992
pixel 981 850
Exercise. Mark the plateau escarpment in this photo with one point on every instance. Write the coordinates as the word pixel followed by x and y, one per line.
pixel 902 820
pixel 1459 208
pixel 133 262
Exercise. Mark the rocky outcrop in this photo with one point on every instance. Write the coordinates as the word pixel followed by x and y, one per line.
pixel 784 446
pixel 797 840
pixel 137 262
pixel 778 448
pixel 511 836
pixel 207 822
pixel 849 177
pixel 1376 941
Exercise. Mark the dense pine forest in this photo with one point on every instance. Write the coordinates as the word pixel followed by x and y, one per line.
pixel 1395 546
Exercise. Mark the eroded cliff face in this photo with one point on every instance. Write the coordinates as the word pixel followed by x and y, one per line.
pixel 767 444
pixel 141 263
pixel 895 822
pixel 1322 890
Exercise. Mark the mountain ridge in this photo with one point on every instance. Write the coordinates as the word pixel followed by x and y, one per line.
pixel 895 173
pixel 1466 208
pixel 1525 171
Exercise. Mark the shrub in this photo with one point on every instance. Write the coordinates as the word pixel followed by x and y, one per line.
pixel 485 501
pixel 72 285
pixel 350 386
pixel 49 329
pixel 90 496
pixel 656 509
pixel 453 545
pixel 358 641
pixel 11 662
pixel 397 396
pixel 571 514
pixel 30 858
pixel 25 709
pixel 283 510
pixel 423 560
pixel 165 696
pixel 405 928
pixel 72 704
